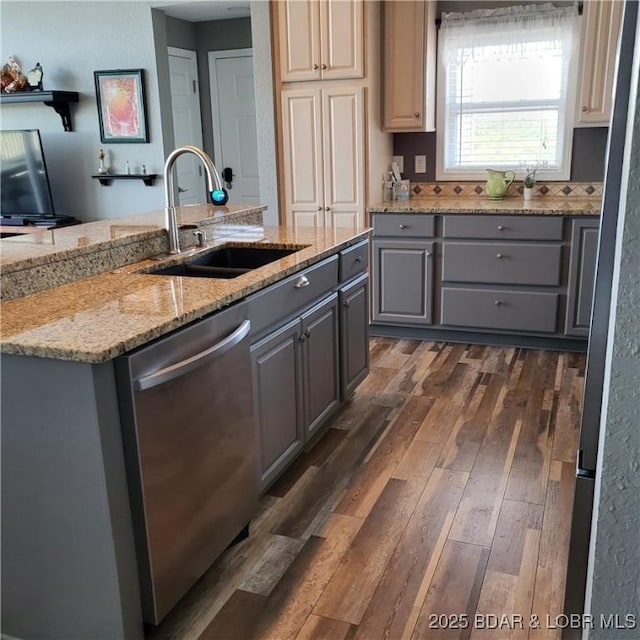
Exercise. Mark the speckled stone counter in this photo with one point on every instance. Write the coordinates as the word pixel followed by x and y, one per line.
pixel 98 318
pixel 32 263
pixel 464 205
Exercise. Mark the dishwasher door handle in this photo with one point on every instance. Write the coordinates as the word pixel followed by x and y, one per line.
pixel 187 365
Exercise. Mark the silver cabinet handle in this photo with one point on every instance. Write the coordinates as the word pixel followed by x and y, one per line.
pixel 345 304
pixel 427 253
pixel 307 333
pixel 499 256
pixel 302 338
pixel 358 260
pixel 183 367
pixel 302 281
pixel 497 303
pixel 500 227
pixel 403 226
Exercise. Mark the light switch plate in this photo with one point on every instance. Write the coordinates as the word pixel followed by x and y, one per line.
pixel 399 160
pixel 421 164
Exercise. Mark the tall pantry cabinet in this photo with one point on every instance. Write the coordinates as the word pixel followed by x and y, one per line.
pixel 332 152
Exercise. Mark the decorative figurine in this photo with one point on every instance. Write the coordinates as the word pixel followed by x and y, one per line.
pixel 35 78
pixel 101 166
pixel 11 78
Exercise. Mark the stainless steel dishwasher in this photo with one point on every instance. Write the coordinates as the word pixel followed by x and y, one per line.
pixel 191 448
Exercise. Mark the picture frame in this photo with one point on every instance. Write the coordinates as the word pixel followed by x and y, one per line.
pixel 122 109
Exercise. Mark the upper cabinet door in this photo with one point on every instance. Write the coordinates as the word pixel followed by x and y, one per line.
pixel 341 41
pixel 601 29
pixel 299 26
pixel 320 39
pixel 409 65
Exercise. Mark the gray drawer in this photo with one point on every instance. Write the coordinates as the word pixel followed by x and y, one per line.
pixel 501 263
pixel 503 227
pixel 495 309
pixel 411 225
pixel 354 260
pixel 279 301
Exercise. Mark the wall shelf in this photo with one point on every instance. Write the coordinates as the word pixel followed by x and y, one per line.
pixel 106 178
pixel 57 100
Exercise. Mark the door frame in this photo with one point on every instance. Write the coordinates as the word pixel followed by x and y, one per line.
pixel 213 84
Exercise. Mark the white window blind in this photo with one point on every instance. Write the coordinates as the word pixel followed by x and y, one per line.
pixel 507 90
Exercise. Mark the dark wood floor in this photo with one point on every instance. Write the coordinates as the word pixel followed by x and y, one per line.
pixel 443 489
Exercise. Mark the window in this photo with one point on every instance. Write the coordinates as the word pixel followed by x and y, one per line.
pixel 506 83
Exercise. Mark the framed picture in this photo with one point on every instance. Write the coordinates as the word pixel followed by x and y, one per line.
pixel 122 111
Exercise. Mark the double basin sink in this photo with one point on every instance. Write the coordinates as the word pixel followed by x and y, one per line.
pixel 226 262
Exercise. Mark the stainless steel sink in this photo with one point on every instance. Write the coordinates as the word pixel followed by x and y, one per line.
pixel 227 262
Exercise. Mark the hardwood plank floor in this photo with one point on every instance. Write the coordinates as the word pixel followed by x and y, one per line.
pixel 442 489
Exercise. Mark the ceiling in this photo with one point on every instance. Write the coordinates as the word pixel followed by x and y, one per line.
pixel 203 10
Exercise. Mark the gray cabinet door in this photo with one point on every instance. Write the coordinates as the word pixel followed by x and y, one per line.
pixel 277 374
pixel 582 270
pixel 354 334
pixel 320 355
pixel 403 282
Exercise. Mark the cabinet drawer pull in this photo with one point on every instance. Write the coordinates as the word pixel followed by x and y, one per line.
pixel 427 253
pixel 307 333
pixel 403 226
pixel 416 115
pixel 585 109
pixel 499 256
pixel 319 208
pixel 315 66
pixel 345 304
pixel 324 66
pixel 327 208
pixel 497 303
pixel 301 282
pixel 500 227
pixel 358 260
pixel 302 338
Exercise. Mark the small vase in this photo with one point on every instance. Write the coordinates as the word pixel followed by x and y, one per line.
pixel 527 192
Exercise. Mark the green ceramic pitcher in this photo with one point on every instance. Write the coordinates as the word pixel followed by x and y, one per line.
pixel 498 183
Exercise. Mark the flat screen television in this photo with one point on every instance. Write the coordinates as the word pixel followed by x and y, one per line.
pixel 25 191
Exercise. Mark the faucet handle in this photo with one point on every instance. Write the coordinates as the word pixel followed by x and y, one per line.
pixel 200 238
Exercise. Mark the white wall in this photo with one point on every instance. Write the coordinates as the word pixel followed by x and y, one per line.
pixel 71 40
pixel 614 564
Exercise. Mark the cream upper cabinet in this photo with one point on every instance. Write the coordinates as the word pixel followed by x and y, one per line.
pixel 323 136
pixel 409 71
pixel 320 39
pixel 601 28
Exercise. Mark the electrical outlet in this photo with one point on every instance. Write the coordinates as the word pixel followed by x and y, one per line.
pixel 399 160
pixel 421 164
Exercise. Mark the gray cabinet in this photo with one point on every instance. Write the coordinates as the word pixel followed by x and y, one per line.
pixel 354 334
pixel 320 364
pixel 277 377
pixel 403 281
pixel 582 269
pixel 310 345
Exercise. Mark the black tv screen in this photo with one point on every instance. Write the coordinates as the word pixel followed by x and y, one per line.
pixel 24 186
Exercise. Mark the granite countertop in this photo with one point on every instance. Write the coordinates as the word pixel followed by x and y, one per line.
pixel 18 252
pixel 550 206
pixel 98 318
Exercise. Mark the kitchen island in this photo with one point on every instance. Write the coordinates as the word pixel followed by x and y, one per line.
pixel 71 530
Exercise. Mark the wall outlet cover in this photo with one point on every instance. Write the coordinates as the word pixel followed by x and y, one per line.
pixel 420 165
pixel 399 160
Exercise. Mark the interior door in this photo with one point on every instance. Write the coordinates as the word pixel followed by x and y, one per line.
pixel 233 104
pixel 187 123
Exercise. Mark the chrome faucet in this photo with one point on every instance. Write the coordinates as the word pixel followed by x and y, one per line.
pixel 214 185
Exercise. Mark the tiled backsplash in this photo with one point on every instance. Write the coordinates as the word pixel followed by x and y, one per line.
pixel 477 189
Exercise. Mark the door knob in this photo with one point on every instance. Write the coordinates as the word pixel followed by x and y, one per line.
pixel 227 176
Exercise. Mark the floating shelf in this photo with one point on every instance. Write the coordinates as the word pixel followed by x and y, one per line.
pixel 57 100
pixel 106 178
